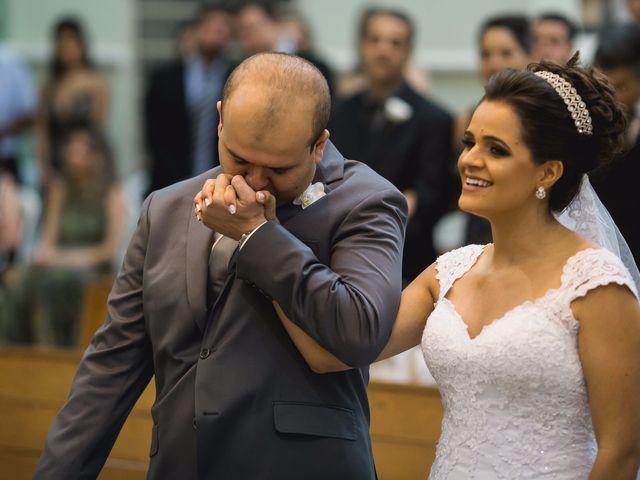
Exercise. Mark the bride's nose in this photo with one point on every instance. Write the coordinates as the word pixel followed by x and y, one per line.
pixel 471 159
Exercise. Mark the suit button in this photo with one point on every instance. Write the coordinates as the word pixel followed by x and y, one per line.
pixel 204 353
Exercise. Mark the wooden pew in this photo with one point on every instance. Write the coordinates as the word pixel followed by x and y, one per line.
pixel 94 311
pixel 405 426
pixel 405 419
pixel 35 384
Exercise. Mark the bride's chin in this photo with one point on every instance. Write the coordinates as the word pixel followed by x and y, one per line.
pixel 471 207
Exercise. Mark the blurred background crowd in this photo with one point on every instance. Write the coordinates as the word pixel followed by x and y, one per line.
pixel 103 102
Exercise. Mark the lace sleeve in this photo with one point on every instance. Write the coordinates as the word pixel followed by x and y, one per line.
pixel 452 265
pixel 594 268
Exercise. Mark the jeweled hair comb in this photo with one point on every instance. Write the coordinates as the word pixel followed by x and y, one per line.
pixel 577 108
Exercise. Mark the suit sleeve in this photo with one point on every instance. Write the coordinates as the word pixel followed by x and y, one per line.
pixel 113 372
pixel 348 306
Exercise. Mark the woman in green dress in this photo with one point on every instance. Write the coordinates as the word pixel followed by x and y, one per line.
pixel 81 231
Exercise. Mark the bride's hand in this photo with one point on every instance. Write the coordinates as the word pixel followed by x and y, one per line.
pixel 268 201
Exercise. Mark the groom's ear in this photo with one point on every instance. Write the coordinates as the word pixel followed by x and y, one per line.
pixel 318 146
pixel 550 173
pixel 219 108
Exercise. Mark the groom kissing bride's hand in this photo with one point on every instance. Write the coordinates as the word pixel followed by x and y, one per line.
pixel 189 308
pixel 229 206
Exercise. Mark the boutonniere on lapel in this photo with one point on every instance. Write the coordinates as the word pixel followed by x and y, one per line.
pixel 314 192
pixel 397 110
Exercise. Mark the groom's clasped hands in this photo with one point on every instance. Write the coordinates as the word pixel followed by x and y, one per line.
pixel 229 206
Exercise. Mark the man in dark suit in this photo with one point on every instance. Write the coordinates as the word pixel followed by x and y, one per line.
pixel 260 30
pixel 235 399
pixel 618 56
pixel 553 37
pixel 397 132
pixel 179 111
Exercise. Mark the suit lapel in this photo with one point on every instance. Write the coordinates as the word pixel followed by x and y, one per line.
pixel 199 242
pixel 200 238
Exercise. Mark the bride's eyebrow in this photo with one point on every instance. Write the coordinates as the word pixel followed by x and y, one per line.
pixel 492 138
pixel 467 134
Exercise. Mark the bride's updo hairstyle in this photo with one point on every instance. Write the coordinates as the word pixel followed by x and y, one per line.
pixel 548 129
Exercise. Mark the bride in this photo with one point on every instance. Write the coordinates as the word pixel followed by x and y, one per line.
pixel 534 340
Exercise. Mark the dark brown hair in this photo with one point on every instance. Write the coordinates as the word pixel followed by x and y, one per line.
pixel 619 47
pixel 570 26
pixel 547 127
pixel 518 25
pixel 73 26
pixel 368 14
pixel 207 10
pixel 101 162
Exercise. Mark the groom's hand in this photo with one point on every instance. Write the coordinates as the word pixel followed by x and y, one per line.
pixel 228 205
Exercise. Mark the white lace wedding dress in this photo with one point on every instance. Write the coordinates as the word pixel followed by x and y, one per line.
pixel 514 396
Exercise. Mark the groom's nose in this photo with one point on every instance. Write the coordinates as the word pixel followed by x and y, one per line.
pixel 257 178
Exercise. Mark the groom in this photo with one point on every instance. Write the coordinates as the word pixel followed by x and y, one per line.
pixel 235 399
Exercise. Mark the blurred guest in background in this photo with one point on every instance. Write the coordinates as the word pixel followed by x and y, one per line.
pixel 80 237
pixel 17 108
pixel 397 132
pixel 180 114
pixel 553 35
pixel 260 29
pixel 633 6
pixel 74 93
pixel 11 221
pixel 296 28
pixel 187 40
pixel 618 56
pixel 505 41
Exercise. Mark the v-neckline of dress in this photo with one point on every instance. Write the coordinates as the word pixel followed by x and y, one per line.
pixel 516 308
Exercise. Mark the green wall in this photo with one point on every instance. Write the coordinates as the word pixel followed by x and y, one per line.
pixel 4 15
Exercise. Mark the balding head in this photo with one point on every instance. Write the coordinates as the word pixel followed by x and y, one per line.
pixel 287 83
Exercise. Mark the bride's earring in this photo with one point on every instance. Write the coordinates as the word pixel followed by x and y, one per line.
pixel 541 193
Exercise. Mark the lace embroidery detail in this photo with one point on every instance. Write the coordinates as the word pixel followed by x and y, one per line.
pixel 514 397
pixel 452 265
pixel 593 268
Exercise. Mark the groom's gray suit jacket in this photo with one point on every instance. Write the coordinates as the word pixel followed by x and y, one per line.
pixel 235 399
